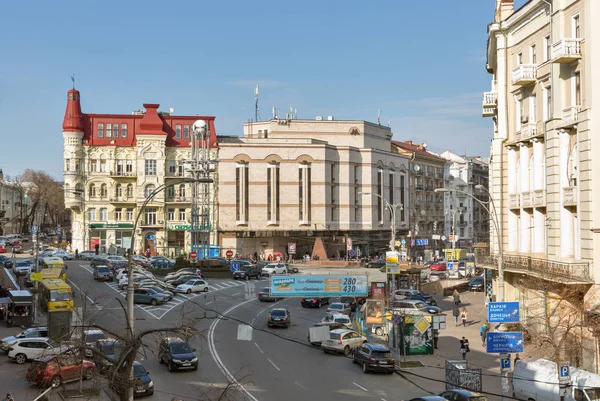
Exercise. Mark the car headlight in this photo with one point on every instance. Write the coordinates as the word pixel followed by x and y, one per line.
pixel 195 360
pixel 151 384
pixel 177 360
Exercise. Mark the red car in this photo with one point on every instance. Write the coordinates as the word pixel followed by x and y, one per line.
pixel 438 267
pixel 55 370
pixel 3 248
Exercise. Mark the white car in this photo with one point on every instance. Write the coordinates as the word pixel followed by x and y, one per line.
pixel 343 341
pixel 341 319
pixel 24 266
pixel 26 349
pixel 33 332
pixel 63 255
pixel 274 268
pixel 196 285
pixel 123 273
pixel 137 280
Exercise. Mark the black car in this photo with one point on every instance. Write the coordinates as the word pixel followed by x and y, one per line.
pixel 375 264
pixel 97 261
pixel 416 295
pixel 6 262
pixel 143 382
pixel 314 302
pixel 476 284
pixel 352 302
pixel 264 296
pixel 246 272
pixel 177 354
pixel 374 357
pixel 182 279
pixel 279 317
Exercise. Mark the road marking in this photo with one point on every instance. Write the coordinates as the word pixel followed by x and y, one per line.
pixel 79 289
pixel 273 363
pixel 360 387
pixel 261 351
pixel 300 385
pixel 383 399
pixel 237 293
pixel 213 351
pixel 208 303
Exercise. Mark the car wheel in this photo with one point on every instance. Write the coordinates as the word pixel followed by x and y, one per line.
pixel 171 367
pixel 319 304
pixel 153 302
pixel 379 331
pixel 206 289
pixel 284 272
pixel 21 358
pixel 87 374
pixel 65 258
pixel 189 291
pixel 365 368
pixel 391 372
pixel 346 350
pixel 56 381
pixel 354 360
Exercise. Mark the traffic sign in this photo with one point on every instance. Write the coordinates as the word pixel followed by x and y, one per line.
pixel 35 276
pixel 403 242
pixel 351 253
pixel 451 237
pixel 503 312
pixel 291 248
pixel 443 238
pixel 499 342
pixel 505 362
pixel 450 265
pixel 564 373
pixel 229 253
pixel 34 228
pixel 235 266
pixel 194 255
pixel 396 319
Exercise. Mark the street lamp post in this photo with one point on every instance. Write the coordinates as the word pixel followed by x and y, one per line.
pixel 454 227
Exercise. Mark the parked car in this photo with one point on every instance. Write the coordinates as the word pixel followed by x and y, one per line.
pixel 24 266
pixel 374 357
pixel 274 268
pixel 458 394
pixel 414 307
pixel 55 370
pixel 338 307
pixel 184 271
pixel 340 319
pixel 343 341
pixel 63 255
pixel 107 352
pixel 145 296
pixel 4 248
pixel 247 272
pixel 160 262
pixel 429 398
pixel 291 269
pixel 438 266
pixel 264 296
pixel 414 295
pixel 154 287
pixel 476 284
pixel 177 353
pixel 98 261
pixel 195 285
pixel 331 325
pixel 279 317
pixel 103 273
pixel 26 349
pixel 86 255
pixel 314 302
pixel 33 332
pixel 143 382
pixel 6 262
pixel 375 264
pixel 352 302
pixel 89 339
pixel 141 261
pixel 17 248
pixel 182 279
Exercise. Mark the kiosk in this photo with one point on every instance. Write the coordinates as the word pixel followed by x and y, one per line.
pixel 19 308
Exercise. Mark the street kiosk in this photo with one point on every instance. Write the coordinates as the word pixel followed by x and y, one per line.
pixel 19 308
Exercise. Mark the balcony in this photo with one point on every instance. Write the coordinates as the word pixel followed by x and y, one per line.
pixel 119 174
pixel 514 201
pixel 566 50
pixel 528 131
pixel 178 199
pixel 548 269
pixel 174 174
pixel 490 104
pixel 419 187
pixel 539 198
pixel 72 172
pixel 569 196
pixel 571 116
pixel 524 74
pixel 122 199
pixel 527 199
pixel 74 202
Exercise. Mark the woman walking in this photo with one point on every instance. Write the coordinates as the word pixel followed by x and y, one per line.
pixel 456 314
pixel 463 316
pixel 456 297
pixel 483 330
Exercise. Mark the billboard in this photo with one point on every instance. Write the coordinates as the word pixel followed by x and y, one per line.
pixel 318 286
pixel 378 290
pixel 374 312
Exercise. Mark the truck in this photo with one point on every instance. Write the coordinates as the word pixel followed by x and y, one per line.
pixel 536 379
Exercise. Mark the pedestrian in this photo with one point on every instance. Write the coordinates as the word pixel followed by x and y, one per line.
pixel 483 330
pixel 456 314
pixel 464 348
pixel 8 397
pixel 76 253
pixel 463 316
pixel 517 358
pixel 456 297
pixel 436 334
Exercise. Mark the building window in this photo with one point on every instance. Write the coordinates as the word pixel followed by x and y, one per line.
pixel 178 131
pixel 148 190
pixel 100 130
pixel 92 214
pixel 304 172
pixel 333 187
pixel 181 214
pixel 123 130
pixel 67 164
pixel 171 214
pixel 103 166
pixel 103 191
pixel 78 190
pixel 170 191
pixel 241 192
pixel 518 111
pixel 150 216
pixel 103 214
pixel 577 88
pixel 92 190
pixel 186 131
pixel 379 198
pixel 119 191
pixel 129 214
pixel 150 167
pixel 182 191
pixel 108 130
pixel 532 54
pixel 576 27
pixel 129 192
pixel 172 167
pixel 93 165
pixel 402 197
pixel 116 130
pixel 273 192
pixel 533 109
pixel 120 167
pixel 129 166
pixel 548 102
pixel 118 214
pixel 519 58
pixel 391 188
pixel 547 48
pixel 76 163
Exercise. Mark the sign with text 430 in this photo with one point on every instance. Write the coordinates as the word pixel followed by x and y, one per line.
pixel 318 286
pixel 503 312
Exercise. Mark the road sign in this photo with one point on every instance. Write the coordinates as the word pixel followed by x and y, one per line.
pixel 564 373
pixel 35 276
pixel 450 265
pixel 499 342
pixel 396 319
pixel 318 286
pixel 451 237
pixel 194 255
pixel 235 266
pixel 351 253
pixel 403 242
pixel 505 362
pixel 291 248
pixel 503 312
pixel 229 253
pixel 34 228
pixel 443 238
pixel 348 243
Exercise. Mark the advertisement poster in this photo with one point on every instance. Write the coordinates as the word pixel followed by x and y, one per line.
pixel 374 312
pixel 417 335
pixel 318 286
pixel 93 242
pixel 378 290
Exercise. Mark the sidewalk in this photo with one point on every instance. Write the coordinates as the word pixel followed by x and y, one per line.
pixel 431 377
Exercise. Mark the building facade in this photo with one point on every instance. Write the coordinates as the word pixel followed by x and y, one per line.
pixel 467 221
pixel 426 208
pixel 544 175
pixel 320 185
pixel 114 162
pixel 14 206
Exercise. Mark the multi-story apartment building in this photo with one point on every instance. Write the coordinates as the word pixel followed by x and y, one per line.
pixel 544 175
pixel 302 182
pixel 467 222
pixel 425 207
pixel 113 162
pixel 14 205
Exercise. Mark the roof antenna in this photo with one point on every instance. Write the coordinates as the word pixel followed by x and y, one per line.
pixel 73 79
pixel 378 116
pixel 256 104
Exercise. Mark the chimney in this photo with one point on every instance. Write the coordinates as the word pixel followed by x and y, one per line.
pixel 504 8
pixel 409 142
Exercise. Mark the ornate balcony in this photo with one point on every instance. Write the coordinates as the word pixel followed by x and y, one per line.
pixel 566 50
pixel 539 198
pixel 529 131
pixel 571 116
pixel 514 201
pixel 490 104
pixel 121 174
pixel 547 269
pixel 569 196
pixel 174 174
pixel 524 74
pixel 178 199
pixel 72 172
pixel 74 202
pixel 527 199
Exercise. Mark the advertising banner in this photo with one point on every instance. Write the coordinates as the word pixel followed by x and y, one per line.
pixel 378 290
pixel 318 286
pixel 374 312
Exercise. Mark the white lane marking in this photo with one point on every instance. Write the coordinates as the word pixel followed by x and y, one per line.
pixel 360 387
pixel 383 399
pixel 273 363
pixel 234 283
pixel 213 351
pixel 208 303
pixel 79 289
pixel 237 293
pixel 300 385
pixel 87 268
pixel 261 351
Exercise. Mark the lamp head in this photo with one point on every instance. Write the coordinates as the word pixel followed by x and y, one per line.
pixel 440 190
pixel 479 186
pixel 200 127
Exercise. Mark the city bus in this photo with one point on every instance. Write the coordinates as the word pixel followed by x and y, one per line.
pixel 54 273
pixel 56 295
pixel 52 261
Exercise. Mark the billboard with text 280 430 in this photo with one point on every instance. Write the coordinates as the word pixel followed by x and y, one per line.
pixel 318 286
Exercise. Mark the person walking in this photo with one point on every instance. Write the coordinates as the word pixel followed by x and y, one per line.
pixel 517 358
pixel 464 348
pixel 436 335
pixel 483 330
pixel 456 314
pixel 456 297
pixel 8 397
pixel 463 317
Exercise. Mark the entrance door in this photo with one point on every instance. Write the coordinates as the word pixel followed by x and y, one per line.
pixel 150 243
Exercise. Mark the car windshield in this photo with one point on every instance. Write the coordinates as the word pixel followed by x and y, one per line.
pixel 151 291
pixel 180 348
pixel 420 305
pixel 342 319
pixel 25 263
pixel 93 337
pixel 333 336
pixel 191 282
pixel 381 354
pixel 139 370
pixel 58 295
pixel 277 312
pixel 336 306
pixel 103 270
pixel 109 348
pixel 348 300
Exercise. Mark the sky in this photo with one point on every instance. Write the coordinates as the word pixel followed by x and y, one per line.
pixel 422 63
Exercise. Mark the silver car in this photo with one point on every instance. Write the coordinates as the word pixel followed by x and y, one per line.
pixel 338 307
pixel 343 341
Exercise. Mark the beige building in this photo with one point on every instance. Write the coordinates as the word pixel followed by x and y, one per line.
pixel 289 181
pixel 543 172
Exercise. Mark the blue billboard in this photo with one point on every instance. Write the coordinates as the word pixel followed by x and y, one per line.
pixel 500 343
pixel 318 286
pixel 503 312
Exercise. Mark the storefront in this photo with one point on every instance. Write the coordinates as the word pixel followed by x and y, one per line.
pixel 110 234
pixel 19 308
pixel 178 235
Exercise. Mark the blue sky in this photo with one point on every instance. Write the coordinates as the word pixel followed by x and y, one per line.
pixel 421 62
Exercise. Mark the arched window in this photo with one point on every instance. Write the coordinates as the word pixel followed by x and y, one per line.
pixel 103 190
pixel 119 191
pixel 129 192
pixel 573 167
pixel 182 190
pixel 92 191
pixel 148 190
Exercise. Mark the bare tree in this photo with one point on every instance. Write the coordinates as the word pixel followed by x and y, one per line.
pixel 47 198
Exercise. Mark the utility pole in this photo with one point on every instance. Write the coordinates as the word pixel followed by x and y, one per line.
pixel 35 238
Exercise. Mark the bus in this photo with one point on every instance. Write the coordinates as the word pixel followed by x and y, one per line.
pixel 52 261
pixel 56 295
pixel 56 273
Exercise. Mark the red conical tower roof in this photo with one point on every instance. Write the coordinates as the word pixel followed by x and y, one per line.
pixel 73 121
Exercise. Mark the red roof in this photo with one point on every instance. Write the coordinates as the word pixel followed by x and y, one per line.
pixel 408 146
pixel 73 121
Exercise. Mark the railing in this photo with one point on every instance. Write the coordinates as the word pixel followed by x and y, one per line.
pixel 174 174
pixel 514 201
pixel 490 99
pixel 570 196
pixel 182 199
pixel 524 73
pixel 419 187
pixel 571 115
pixel 566 48
pixel 549 269
pixel 528 131
pixel 526 199
pixel 539 198
pixel 122 174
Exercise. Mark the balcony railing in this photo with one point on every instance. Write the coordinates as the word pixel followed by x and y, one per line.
pixel 570 196
pixel 490 103
pixel 539 198
pixel 566 50
pixel 550 270
pixel 419 187
pixel 174 174
pixel 72 172
pixel 571 116
pixel 122 174
pixel 527 199
pixel 178 199
pixel 524 74
pixel 514 201
pixel 528 131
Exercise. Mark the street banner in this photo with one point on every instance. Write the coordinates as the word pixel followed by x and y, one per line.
pixel 318 286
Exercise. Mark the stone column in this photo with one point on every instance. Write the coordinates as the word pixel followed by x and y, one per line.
pixel 566 217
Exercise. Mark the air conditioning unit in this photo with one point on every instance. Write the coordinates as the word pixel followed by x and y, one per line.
pixel 524 119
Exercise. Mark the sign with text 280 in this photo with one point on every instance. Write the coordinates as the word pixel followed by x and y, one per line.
pixel 318 286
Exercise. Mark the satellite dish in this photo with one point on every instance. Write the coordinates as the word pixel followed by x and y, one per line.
pixel 424 146
pixel 171 110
